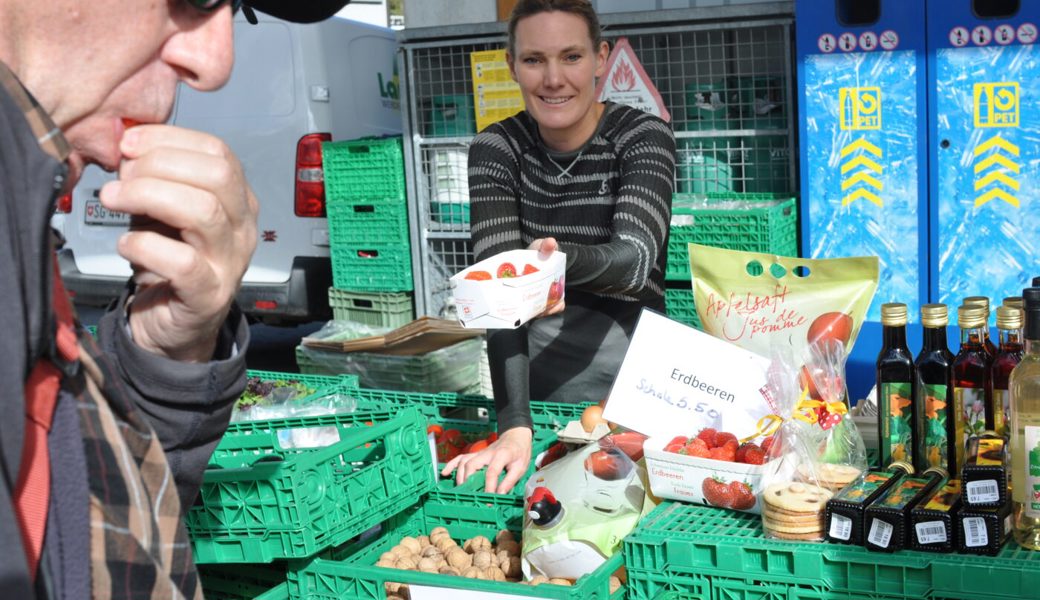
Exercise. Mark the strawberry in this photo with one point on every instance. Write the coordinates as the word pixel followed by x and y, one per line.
pixel 529 268
pixel 743 499
pixel 708 435
pixel 678 443
pixel 754 455
pixel 722 437
pixel 716 492
pixel 741 451
pixel 697 447
pixel 768 443
pixel 726 453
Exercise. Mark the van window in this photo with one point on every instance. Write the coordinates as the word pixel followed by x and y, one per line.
pixel 261 82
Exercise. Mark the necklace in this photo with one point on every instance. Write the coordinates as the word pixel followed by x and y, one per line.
pixel 566 172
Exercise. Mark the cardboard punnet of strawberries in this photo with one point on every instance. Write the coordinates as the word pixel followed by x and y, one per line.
pixel 751 413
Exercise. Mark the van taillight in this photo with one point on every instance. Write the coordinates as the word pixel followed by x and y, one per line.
pixel 64 203
pixel 310 178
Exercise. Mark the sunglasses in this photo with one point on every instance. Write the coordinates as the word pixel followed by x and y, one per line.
pixel 211 5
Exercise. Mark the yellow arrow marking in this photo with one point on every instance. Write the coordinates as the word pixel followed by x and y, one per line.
pixel 993 194
pixel 861 161
pixel 994 177
pixel 996 142
pixel 861 144
pixel 865 178
pixel 862 193
pixel 995 159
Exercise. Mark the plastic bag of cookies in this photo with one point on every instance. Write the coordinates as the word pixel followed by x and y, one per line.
pixel 819 448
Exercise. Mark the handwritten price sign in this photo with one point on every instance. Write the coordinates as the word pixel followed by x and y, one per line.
pixel 676 380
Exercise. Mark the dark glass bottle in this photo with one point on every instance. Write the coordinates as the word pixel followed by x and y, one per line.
pixel 1009 353
pixel 895 388
pixel 972 379
pixel 983 302
pixel 933 389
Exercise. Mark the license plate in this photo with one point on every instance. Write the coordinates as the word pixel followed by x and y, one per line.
pixel 96 214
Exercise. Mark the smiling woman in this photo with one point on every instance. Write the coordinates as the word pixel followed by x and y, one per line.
pixel 592 179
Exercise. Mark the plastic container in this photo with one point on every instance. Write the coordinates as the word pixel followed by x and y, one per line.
pixel 362 222
pixel 450 369
pixel 350 574
pixel 678 305
pixel 451 116
pixel 244 582
pixel 364 169
pixel 372 267
pixel 681 547
pixel 263 499
pixel 752 222
pixel 380 309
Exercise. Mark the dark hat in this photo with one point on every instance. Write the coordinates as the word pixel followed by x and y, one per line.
pixel 298 11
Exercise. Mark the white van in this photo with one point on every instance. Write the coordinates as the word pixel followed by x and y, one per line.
pixel 292 87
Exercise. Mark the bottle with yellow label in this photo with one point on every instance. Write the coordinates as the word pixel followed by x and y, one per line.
pixel 1025 428
pixel 895 388
pixel 933 391
pixel 1009 353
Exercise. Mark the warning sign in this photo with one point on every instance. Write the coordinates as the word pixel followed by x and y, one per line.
pixel 625 82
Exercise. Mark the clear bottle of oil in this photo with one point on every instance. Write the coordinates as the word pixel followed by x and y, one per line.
pixel 1025 429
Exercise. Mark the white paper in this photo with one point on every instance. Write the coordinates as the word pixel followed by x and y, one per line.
pixel 676 380
pixel 422 592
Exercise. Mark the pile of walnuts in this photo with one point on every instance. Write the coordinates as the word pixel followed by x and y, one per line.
pixel 476 558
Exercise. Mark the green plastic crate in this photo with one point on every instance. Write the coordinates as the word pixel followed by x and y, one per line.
pixel 364 169
pixel 452 368
pixel 244 582
pixel 350 574
pixel 343 382
pixel 260 501
pixel 362 222
pixel 678 304
pixel 372 267
pixel 381 309
pixel 678 544
pixel 759 222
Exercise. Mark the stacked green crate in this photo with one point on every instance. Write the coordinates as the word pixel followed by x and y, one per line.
pixel 755 222
pixel 685 549
pixel 290 488
pixel 368 231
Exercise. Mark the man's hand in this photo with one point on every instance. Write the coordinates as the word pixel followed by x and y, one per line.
pixel 511 451
pixel 192 235
pixel 545 247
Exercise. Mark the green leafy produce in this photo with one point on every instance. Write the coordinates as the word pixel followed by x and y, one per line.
pixel 258 390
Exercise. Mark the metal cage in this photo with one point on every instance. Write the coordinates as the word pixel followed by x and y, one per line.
pixel 725 74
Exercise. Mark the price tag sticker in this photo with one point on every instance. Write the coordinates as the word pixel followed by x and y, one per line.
pixel 880 533
pixel 841 527
pixel 983 491
pixel 931 532
pixel 975 534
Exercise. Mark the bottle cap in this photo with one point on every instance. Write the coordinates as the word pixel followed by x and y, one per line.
pixel 902 465
pixel 935 315
pixel 1013 301
pixel 1009 317
pixel 1036 282
pixel 893 314
pixel 977 301
pixel 971 317
pixel 941 472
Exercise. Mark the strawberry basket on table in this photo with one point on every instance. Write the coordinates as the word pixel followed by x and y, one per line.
pixel 711 467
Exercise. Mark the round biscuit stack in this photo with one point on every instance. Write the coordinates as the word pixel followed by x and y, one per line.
pixel 793 510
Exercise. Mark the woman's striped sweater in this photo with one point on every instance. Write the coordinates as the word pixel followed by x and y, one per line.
pixel 608 205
